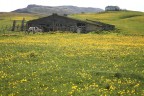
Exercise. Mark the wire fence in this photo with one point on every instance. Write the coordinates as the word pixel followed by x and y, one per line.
pixel 10 29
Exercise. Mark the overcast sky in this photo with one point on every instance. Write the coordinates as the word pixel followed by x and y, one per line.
pixel 10 5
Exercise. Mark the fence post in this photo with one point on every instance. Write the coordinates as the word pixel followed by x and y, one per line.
pixel 14 25
pixel 22 24
pixel 17 27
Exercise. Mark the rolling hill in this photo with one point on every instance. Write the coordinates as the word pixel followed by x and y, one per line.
pixel 48 10
pixel 128 22
pixel 7 18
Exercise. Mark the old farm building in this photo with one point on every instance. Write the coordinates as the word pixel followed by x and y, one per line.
pixel 62 23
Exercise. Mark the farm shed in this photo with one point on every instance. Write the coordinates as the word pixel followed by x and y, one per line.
pixel 56 22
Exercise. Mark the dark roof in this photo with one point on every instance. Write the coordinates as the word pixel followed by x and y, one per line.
pixel 88 22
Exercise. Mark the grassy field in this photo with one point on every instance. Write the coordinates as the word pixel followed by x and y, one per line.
pixel 70 64
pixel 6 19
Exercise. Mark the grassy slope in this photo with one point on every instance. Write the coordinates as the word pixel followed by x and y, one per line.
pixel 129 22
pixel 7 18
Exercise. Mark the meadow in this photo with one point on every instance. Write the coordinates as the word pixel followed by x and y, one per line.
pixel 71 64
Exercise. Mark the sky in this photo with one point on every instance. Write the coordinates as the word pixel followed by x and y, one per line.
pixel 135 5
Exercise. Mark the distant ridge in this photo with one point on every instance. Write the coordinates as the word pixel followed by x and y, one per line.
pixel 48 10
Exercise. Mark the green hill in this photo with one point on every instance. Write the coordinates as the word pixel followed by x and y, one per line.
pixel 129 22
pixel 6 18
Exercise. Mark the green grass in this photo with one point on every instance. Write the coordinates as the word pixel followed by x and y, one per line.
pixel 129 22
pixel 17 16
pixel 6 19
pixel 66 64
pixel 71 65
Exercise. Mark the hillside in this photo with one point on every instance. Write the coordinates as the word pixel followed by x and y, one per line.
pixel 129 22
pixel 6 18
pixel 48 10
